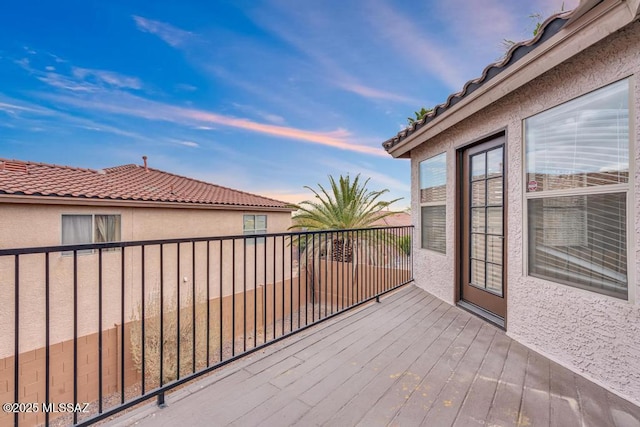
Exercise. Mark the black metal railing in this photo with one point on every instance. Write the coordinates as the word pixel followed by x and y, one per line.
pixel 98 328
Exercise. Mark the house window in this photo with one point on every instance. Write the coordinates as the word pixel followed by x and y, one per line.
pixel 82 229
pixel 254 224
pixel 577 180
pixel 433 211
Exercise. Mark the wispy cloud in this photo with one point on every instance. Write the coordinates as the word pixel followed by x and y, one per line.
pixel 372 93
pixel 105 77
pixel 315 37
pixel 478 28
pixel 61 81
pixel 186 87
pixel 130 105
pixel 415 45
pixel 336 139
pixel 171 35
pixel 27 114
pixel 189 144
pixel 269 117
pixel 366 171
pixel 79 79
pixel 14 108
pixel 268 94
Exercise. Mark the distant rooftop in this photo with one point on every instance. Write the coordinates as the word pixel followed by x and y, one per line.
pixel 127 182
pixel 397 219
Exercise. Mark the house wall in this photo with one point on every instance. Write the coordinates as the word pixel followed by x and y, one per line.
pixel 23 225
pixel 592 334
pixel 17 223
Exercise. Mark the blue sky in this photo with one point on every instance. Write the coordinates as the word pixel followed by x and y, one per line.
pixel 262 96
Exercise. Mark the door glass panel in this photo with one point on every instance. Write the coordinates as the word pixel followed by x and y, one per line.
pixel 478 166
pixel 494 249
pixel 494 162
pixel 477 246
pixel 477 220
pixel 477 193
pixel 483 242
pixel 494 221
pixel 494 188
pixel 494 278
pixel 477 273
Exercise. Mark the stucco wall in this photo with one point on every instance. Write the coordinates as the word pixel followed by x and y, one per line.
pixel 17 223
pixel 40 225
pixel 596 336
pixel 433 270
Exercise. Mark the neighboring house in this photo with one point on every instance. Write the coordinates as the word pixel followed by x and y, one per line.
pixel 525 193
pixel 49 205
pixel 74 205
pixel 396 219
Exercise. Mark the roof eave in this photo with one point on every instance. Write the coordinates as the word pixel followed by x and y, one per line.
pixel 610 15
pixel 106 203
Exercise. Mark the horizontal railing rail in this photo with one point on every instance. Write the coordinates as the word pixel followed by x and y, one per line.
pixel 99 328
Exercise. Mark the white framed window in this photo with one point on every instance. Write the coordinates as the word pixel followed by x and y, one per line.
pixel 79 229
pixel 433 209
pixel 254 224
pixel 577 185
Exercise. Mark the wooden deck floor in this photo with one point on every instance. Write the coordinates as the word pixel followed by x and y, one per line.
pixel 411 360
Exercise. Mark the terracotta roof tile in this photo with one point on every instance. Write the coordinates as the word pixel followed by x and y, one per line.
pixel 126 182
pixel 397 219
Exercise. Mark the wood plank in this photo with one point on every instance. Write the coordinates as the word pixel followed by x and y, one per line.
pixel 505 409
pixel 623 412
pixel 593 403
pixel 354 338
pixel 564 406
pixel 536 407
pixel 435 368
pixel 412 360
pixel 273 408
pixel 476 405
pixel 322 381
pixel 457 387
pixel 351 387
pixel 397 377
pixel 286 416
pixel 333 329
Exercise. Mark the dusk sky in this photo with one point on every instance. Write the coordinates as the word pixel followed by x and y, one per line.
pixel 261 96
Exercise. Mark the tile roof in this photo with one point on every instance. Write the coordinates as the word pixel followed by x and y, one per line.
pixel 397 219
pixel 549 28
pixel 127 182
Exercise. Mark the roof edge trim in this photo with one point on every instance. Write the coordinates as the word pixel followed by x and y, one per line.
pixel 77 201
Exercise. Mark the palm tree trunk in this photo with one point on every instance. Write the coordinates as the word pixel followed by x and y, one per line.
pixel 342 250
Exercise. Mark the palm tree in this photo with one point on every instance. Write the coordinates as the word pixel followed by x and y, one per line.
pixel 348 204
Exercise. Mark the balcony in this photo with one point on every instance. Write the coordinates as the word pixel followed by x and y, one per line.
pixel 317 328
pixel 410 360
pixel 95 329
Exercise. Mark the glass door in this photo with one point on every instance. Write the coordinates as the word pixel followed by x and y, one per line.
pixel 483 227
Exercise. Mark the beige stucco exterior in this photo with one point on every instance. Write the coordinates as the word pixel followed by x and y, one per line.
pixel 595 335
pixel 33 225
pixel 138 223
